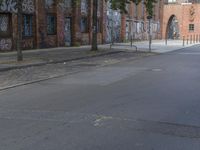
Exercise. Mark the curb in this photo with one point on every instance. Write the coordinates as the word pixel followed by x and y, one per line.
pixel 58 61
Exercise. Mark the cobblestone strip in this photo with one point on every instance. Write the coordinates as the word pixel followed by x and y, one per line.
pixel 17 77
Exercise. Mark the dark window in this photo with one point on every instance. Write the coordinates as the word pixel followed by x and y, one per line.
pixel 84 24
pixel 51 24
pixel 191 27
pixel 5 25
pixel 28 25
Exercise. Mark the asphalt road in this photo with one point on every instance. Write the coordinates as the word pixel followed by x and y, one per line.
pixel 147 104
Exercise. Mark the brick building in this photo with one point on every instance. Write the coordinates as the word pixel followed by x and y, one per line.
pixel 135 24
pixel 49 23
pixel 180 20
pixel 56 23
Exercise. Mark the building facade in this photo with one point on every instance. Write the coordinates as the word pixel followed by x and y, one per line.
pixel 135 25
pixel 180 20
pixel 58 23
pixel 49 23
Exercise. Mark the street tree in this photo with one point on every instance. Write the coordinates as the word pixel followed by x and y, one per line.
pixel 94 26
pixel 19 24
pixel 117 5
pixel 121 5
pixel 19 37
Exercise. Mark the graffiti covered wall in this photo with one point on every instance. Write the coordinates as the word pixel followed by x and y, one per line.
pixel 113 25
pixel 5 31
pixel 8 34
pixel 64 14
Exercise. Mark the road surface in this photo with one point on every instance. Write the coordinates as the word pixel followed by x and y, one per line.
pixel 147 104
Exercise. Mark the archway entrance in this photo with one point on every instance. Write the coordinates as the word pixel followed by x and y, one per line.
pixel 172 28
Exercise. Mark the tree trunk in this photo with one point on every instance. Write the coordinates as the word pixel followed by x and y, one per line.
pixel 19 37
pixel 94 26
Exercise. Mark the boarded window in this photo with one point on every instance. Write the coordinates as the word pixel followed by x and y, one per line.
pixel 84 24
pixel 51 24
pixel 27 25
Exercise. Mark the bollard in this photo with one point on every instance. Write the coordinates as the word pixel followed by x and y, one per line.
pixel 183 40
pixel 131 41
pixel 199 38
pixel 190 39
pixel 196 38
pixel 193 38
pixel 187 40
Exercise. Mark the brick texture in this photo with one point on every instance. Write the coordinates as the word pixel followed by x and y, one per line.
pixel 184 18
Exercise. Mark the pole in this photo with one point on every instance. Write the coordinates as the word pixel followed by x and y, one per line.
pixel 19 38
pixel 112 28
pixel 150 40
pixel 94 26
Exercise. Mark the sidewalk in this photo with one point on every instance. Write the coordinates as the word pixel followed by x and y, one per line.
pixel 40 57
pixel 63 54
pixel 158 46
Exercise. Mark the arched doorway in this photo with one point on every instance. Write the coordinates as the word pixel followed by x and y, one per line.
pixel 173 28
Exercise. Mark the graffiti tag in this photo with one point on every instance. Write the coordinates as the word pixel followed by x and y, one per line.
pixel 27 44
pixel 8 6
pixel 5 44
pixel 28 6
